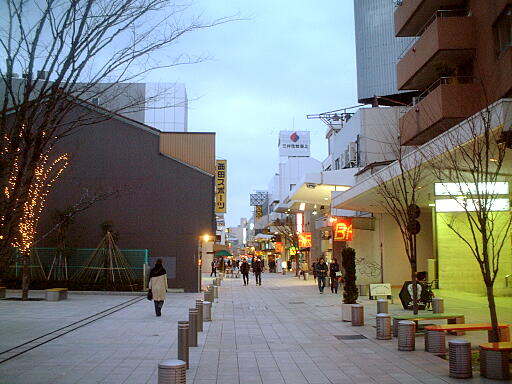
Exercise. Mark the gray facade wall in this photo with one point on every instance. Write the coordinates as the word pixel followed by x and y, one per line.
pixel 377 50
pixel 163 206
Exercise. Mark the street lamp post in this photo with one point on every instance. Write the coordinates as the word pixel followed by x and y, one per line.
pixel 205 239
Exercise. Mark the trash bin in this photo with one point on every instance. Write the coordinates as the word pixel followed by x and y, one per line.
pixel 406 335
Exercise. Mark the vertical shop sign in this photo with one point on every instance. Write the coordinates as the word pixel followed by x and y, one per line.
pixel 259 211
pixel 279 247
pixel 305 240
pixel 343 230
pixel 220 186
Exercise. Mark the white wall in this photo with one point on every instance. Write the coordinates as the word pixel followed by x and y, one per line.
pixel 292 171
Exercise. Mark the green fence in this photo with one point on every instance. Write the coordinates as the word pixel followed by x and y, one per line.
pixel 76 259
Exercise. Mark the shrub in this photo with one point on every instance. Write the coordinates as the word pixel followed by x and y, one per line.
pixel 348 262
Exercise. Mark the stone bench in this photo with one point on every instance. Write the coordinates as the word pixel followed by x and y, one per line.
pixel 56 294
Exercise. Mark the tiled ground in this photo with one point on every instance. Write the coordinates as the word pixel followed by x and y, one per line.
pixel 281 332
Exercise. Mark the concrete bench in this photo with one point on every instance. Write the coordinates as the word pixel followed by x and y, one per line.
pixel 494 360
pixel 2 292
pixel 452 318
pixel 56 294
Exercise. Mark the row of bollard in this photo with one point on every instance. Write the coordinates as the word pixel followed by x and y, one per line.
pixel 175 371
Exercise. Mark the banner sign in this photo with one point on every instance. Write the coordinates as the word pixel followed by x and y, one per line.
pixel 220 186
pixel 342 229
pixel 259 211
pixel 294 143
pixel 305 240
pixel 406 294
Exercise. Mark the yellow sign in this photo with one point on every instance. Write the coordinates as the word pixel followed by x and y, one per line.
pixel 221 186
pixel 293 251
pixel 259 211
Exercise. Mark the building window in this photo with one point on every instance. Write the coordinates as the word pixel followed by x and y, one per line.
pixel 292 186
pixel 503 30
pixel 337 163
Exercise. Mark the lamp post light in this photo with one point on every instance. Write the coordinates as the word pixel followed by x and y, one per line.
pixel 205 238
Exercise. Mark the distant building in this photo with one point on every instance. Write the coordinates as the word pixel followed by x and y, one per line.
pixel 377 52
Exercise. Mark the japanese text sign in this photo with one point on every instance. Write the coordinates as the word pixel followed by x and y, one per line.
pixel 305 240
pixel 343 230
pixel 220 186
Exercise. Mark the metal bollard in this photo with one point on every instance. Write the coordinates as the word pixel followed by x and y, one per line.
pixel 383 322
pixel 437 305
pixel 215 281
pixel 207 311
pixel 172 372
pixel 357 314
pixel 205 296
pixel 199 307
pixel 219 281
pixel 215 292
pixel 192 327
pixel 406 335
pixel 459 354
pixel 183 341
pixel 382 306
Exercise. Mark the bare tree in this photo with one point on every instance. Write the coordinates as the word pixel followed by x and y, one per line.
pixel 287 229
pixel 468 161
pixel 398 187
pixel 70 52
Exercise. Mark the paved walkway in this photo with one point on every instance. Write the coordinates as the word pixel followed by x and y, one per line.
pixel 281 332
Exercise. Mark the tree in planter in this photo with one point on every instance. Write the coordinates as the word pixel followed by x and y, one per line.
pixel 348 262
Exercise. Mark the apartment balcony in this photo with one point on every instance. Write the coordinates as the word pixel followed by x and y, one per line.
pixel 412 15
pixel 447 102
pixel 446 44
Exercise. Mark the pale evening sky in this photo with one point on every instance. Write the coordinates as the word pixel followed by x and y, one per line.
pixel 265 74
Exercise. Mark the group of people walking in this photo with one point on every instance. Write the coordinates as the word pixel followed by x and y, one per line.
pixel 321 271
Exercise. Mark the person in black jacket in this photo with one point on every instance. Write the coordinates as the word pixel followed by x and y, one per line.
pixel 333 269
pixel 321 273
pixel 257 268
pixel 244 270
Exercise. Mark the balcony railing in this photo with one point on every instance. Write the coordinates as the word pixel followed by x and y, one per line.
pixel 443 80
pixel 438 14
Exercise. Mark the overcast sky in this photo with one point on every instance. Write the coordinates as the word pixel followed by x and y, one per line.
pixel 265 74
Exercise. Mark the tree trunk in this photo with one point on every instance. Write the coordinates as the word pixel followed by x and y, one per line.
pixel 297 264
pixel 25 276
pixel 414 269
pixel 494 334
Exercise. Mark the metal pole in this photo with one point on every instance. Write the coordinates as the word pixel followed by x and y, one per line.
pixel 207 311
pixel 183 341
pixel 199 307
pixel 192 327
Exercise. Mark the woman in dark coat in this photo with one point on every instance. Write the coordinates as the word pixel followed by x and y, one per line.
pixel 333 268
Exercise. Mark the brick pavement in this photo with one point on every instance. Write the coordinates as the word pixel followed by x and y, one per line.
pixel 281 332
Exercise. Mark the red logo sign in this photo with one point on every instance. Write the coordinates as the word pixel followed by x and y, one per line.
pixel 305 240
pixel 343 230
pixel 279 247
pixel 294 137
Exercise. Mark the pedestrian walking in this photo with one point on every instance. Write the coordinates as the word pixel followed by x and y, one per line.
pixel 334 268
pixel 158 285
pixel 257 268
pixel 244 270
pixel 321 272
pixel 214 269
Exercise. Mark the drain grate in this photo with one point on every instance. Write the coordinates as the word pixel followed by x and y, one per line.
pixel 350 337
pixel 296 302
